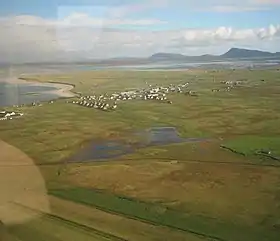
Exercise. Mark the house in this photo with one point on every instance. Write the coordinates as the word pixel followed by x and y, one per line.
pixel 9 115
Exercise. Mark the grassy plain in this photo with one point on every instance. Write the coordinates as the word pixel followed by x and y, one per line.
pixel 191 191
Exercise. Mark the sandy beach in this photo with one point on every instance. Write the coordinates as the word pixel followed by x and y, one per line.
pixel 63 90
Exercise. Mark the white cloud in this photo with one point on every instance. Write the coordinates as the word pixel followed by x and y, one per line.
pixel 129 9
pixel 30 38
pixel 78 19
pixel 223 38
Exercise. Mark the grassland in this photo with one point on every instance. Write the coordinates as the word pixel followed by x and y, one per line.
pixel 191 191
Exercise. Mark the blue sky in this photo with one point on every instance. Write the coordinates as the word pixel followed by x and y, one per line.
pixel 113 28
pixel 177 14
pixel 49 8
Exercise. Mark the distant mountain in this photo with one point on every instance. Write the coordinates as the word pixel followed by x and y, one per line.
pixel 167 56
pixel 247 53
pixel 121 61
pixel 181 58
pixel 233 53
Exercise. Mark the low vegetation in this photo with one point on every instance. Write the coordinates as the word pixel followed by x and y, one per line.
pixel 250 145
pixel 186 191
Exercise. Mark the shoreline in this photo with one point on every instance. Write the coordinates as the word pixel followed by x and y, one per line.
pixel 62 90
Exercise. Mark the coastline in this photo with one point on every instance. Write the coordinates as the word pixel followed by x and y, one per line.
pixel 62 90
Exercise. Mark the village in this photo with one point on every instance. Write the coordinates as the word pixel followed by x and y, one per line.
pixel 110 102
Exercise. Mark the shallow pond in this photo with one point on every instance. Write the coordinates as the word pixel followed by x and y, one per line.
pixel 101 150
pixel 167 135
pixel 98 150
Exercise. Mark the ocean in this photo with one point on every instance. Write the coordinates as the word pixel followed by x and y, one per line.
pixel 18 94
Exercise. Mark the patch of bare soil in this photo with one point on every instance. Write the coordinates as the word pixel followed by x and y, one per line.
pixel 20 183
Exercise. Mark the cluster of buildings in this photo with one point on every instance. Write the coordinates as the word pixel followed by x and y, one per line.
pixel 9 115
pixel 97 102
pixel 228 85
pixel 34 103
pixel 109 102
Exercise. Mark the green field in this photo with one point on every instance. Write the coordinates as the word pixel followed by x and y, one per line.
pixel 249 144
pixel 186 191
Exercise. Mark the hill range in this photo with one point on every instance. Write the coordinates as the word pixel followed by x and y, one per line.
pixel 232 54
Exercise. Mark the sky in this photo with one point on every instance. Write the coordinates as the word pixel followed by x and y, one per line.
pixel 35 30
